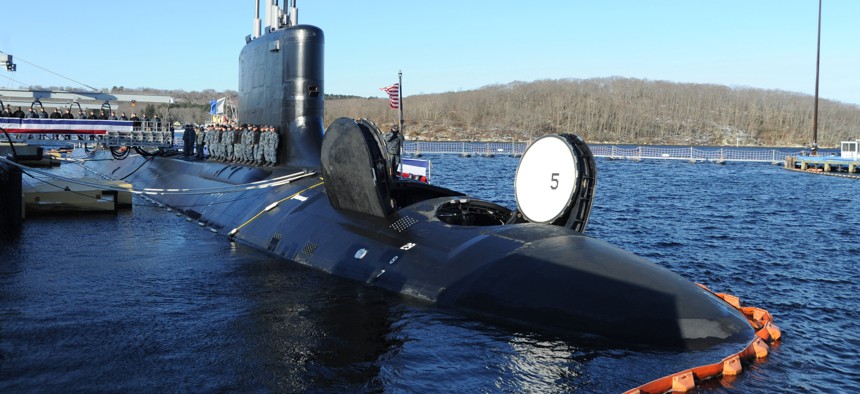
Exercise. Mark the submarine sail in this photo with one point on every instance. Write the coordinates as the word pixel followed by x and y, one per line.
pixel 281 84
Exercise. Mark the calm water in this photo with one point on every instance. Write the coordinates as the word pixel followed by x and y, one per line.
pixel 147 301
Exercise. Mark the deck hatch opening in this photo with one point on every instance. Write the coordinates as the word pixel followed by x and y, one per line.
pixel 273 242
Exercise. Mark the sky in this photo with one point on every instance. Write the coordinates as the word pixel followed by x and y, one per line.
pixel 442 45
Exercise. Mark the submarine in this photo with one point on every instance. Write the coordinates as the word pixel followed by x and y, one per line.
pixel 334 204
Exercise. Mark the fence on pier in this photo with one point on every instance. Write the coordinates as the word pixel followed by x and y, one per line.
pixel 718 155
pixel 464 148
pixel 759 155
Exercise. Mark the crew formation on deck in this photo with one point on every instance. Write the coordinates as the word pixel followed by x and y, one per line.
pixel 243 144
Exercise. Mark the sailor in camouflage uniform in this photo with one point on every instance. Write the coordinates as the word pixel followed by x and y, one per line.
pixel 271 146
pixel 256 150
pixel 215 145
pixel 265 138
pixel 228 139
pixel 248 140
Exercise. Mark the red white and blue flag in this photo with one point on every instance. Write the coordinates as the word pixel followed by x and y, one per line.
pixel 64 126
pixel 393 95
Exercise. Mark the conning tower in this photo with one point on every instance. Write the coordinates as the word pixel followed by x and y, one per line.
pixel 281 83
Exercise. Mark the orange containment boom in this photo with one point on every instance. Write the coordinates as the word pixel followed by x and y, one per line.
pixel 766 333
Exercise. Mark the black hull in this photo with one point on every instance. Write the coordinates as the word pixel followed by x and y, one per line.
pixel 539 274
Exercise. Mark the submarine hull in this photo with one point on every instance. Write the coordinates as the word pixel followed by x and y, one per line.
pixel 416 239
pixel 543 275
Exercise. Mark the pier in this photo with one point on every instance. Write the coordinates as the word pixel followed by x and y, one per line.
pixel 690 154
pixel 825 165
pixel 42 192
pixel 846 164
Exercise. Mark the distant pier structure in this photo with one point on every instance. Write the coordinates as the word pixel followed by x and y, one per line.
pixel 691 154
pixel 845 164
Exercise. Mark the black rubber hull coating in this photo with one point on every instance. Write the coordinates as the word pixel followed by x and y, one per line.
pixel 543 275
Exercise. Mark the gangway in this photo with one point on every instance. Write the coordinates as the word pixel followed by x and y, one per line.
pixel 110 133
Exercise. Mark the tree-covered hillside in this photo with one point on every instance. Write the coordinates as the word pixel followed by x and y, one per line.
pixel 601 110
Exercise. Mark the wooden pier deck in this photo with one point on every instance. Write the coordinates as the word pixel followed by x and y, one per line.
pixel 824 165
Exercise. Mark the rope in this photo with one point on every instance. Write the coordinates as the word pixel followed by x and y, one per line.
pixel 59 75
pixel 11 144
pixel 271 206
pixel 15 80
pixel 282 180
pixel 145 161
pixel 65 188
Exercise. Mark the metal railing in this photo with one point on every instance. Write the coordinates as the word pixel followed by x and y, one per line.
pixel 759 155
pixel 143 134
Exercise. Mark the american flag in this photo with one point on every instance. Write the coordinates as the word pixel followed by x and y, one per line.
pixel 393 95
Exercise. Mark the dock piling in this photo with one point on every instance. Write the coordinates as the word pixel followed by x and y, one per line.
pixel 11 198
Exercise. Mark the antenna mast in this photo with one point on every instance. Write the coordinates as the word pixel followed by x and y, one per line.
pixel 815 110
pixel 257 23
pixel 294 14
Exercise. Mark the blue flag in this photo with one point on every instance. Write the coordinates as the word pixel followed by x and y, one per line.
pixel 217 106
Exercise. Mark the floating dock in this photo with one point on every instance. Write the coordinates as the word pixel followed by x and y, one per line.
pixel 83 195
pixel 825 165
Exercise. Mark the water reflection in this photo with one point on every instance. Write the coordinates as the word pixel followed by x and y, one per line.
pixel 306 330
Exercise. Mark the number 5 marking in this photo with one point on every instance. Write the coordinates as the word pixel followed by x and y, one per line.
pixel 554 181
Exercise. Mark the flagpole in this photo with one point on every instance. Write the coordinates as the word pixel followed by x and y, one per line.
pixel 815 109
pixel 400 99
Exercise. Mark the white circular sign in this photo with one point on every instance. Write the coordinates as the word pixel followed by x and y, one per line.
pixel 546 179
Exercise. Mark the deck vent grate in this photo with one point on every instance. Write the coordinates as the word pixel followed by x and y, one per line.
pixel 403 223
pixel 309 249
